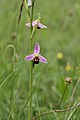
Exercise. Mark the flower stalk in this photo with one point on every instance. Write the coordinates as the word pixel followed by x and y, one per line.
pixel 15 58
pixel 31 65
pixel 34 58
pixel 72 95
pixel 62 96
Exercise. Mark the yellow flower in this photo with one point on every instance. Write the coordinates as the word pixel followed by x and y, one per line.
pixel 68 67
pixel 60 55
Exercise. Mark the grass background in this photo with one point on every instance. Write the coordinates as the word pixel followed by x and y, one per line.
pixel 63 35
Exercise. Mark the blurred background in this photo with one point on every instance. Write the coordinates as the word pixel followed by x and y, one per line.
pixel 60 44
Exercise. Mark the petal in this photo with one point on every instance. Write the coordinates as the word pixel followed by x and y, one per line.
pixel 36 48
pixel 28 24
pixel 42 59
pixel 29 57
pixel 41 25
pixel 34 23
pixel 29 3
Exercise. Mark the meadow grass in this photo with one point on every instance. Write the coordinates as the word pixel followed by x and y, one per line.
pixel 62 17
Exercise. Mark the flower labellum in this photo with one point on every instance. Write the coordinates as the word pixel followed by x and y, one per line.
pixel 29 3
pixel 36 23
pixel 36 57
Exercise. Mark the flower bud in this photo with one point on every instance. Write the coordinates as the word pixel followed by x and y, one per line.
pixel 68 80
pixel 29 3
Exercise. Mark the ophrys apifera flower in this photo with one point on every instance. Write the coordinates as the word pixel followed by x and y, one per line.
pixel 36 57
pixel 36 23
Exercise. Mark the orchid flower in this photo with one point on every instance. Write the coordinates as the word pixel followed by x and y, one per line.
pixel 36 23
pixel 36 57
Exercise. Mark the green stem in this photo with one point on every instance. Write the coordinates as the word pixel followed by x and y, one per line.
pixel 4 82
pixel 27 8
pixel 31 65
pixel 12 86
pixel 12 89
pixel 71 98
pixel 57 111
pixel 62 96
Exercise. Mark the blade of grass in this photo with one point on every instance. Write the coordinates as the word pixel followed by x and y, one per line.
pixel 74 90
pixel 25 104
pixel 77 115
pixel 38 106
pixel 71 113
pixel 8 77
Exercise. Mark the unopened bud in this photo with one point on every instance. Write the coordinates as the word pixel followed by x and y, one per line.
pixel 29 3
pixel 68 80
pixel 14 35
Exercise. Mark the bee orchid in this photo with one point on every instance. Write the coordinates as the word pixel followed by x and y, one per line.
pixel 36 57
pixel 36 23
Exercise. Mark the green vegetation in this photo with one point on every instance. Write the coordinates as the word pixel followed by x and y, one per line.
pixel 62 17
